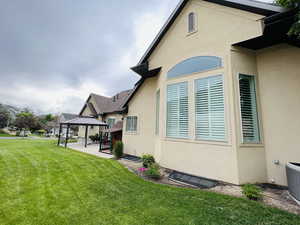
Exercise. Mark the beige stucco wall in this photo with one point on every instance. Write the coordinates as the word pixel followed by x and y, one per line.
pixel 143 106
pixel 279 86
pixel 218 28
pixel 250 157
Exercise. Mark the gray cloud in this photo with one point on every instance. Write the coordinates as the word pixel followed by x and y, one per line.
pixel 56 46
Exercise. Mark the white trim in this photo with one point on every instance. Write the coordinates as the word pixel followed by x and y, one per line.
pixel 131 132
pixel 241 139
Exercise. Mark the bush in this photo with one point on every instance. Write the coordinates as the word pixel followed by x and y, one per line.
pixel 118 150
pixel 40 132
pixel 148 160
pixel 252 192
pixel 94 138
pixel 153 171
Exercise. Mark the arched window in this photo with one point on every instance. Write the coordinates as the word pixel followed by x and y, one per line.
pixel 195 65
pixel 191 22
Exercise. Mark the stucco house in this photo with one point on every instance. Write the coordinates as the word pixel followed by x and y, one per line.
pixel 219 94
pixel 106 109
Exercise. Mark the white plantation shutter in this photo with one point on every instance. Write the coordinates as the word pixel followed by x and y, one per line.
pixel 177 110
pixel 250 126
pixel 209 108
pixel 131 123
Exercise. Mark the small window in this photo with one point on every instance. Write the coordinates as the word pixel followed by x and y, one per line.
pixel 248 105
pixel 177 110
pixel 111 122
pixel 192 22
pixel 131 124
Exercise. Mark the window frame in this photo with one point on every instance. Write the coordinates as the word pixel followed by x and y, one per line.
pixel 188 114
pixel 195 23
pixel 157 112
pixel 136 128
pixel 112 119
pixel 260 133
pixel 210 140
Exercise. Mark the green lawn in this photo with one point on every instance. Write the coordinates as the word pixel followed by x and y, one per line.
pixel 44 184
pixel 6 135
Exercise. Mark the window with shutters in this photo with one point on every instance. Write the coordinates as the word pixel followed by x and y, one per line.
pixel 157 112
pixel 209 109
pixel 177 110
pixel 248 106
pixel 131 124
pixel 191 22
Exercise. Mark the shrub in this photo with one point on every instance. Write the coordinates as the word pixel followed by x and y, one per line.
pixel 153 171
pixel 118 150
pixel 252 192
pixel 94 138
pixel 40 132
pixel 148 160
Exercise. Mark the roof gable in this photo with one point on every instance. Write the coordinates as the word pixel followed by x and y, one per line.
pixel 246 5
pixel 103 105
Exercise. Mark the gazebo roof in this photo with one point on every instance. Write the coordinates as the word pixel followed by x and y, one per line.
pixel 84 121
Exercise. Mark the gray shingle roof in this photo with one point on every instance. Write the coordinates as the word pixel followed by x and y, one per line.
pixel 111 104
pixel 85 121
pixel 68 116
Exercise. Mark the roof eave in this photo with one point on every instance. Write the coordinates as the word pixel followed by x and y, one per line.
pixel 275 32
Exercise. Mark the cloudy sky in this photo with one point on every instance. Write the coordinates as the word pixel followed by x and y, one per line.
pixel 54 53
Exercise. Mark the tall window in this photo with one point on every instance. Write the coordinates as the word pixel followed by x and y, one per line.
pixel 157 112
pixel 191 22
pixel 250 124
pixel 209 109
pixel 131 123
pixel 177 110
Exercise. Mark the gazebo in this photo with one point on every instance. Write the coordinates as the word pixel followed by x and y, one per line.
pixel 80 121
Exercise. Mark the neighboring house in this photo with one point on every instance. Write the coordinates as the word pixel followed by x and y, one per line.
pixel 62 118
pixel 219 93
pixel 106 109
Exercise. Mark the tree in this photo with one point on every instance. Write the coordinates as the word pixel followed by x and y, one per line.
pixel 49 117
pixel 27 120
pixel 4 118
pixel 292 4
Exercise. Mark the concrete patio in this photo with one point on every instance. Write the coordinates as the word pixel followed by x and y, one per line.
pixel 92 149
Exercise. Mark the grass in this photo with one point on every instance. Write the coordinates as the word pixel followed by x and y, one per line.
pixel 44 184
pixel 6 135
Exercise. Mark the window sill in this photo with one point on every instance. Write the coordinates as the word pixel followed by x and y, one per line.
pixel 131 133
pixel 194 141
pixel 251 145
pixel 191 33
